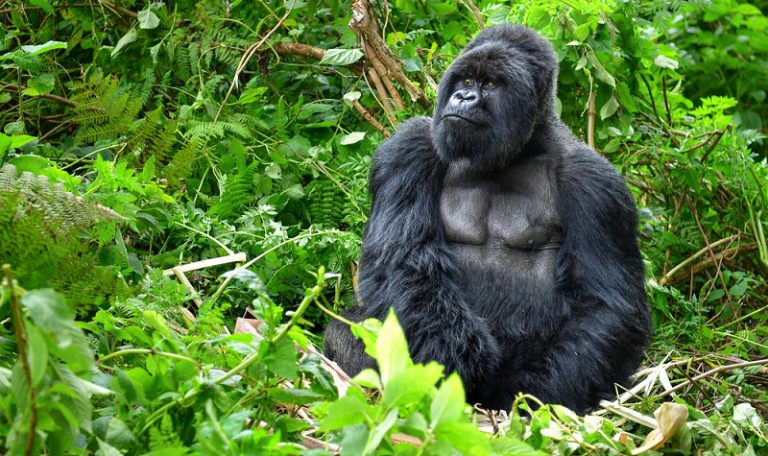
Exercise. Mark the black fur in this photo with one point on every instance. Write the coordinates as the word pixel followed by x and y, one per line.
pixel 507 248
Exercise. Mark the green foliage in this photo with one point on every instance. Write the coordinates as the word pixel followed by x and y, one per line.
pixel 140 136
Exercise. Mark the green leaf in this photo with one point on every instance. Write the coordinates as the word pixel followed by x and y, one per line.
pixel 45 47
pixel 43 5
pixel 411 385
pixel 37 353
pixel 16 141
pixel 465 437
pixel 27 61
pixel 378 433
pixel 350 409
pixel 368 378
pixel 40 85
pixel 148 20
pixel 130 36
pixel 341 57
pixel 609 108
pixel 352 138
pixel 583 31
pixel 448 404
pixel 600 72
pixel 391 349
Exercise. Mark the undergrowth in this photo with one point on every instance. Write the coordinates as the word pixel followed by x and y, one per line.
pixel 137 137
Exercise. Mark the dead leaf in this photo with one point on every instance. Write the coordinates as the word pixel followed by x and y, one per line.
pixel 670 417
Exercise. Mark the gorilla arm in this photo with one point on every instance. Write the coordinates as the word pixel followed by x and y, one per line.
pixel 406 265
pixel 600 276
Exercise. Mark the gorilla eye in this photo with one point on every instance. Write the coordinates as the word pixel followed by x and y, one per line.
pixel 469 82
pixel 490 85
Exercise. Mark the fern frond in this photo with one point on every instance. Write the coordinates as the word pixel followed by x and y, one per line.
pixel 62 209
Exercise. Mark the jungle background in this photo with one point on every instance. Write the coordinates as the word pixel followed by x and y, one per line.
pixel 141 136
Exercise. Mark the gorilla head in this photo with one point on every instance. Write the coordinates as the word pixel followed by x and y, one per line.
pixel 493 96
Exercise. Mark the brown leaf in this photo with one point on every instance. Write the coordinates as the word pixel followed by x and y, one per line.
pixel 670 417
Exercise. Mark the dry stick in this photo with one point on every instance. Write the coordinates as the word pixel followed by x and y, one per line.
pixel 237 257
pixel 629 414
pixel 49 96
pixel 715 142
pixel 709 247
pixel 246 57
pixel 394 95
pixel 383 95
pixel 476 12
pixel 185 281
pixel 703 143
pixel 666 278
pixel 21 343
pixel 299 49
pixel 709 262
pixel 591 113
pixel 364 24
pixel 711 372
pixel 372 120
pixel 119 9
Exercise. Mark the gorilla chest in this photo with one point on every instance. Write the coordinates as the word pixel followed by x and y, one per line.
pixel 503 225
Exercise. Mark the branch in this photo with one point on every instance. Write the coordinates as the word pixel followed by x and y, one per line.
pixel 591 113
pixel 119 9
pixel 372 120
pixel 714 371
pixel 49 96
pixel 367 29
pixel 711 261
pixel 476 12
pixel 301 49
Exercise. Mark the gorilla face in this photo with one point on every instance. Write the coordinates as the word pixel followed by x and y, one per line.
pixel 493 96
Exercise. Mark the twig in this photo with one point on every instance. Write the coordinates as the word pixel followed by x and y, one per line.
pixel 666 100
pixel 21 344
pixel 650 93
pixel 119 9
pixel 711 372
pixel 364 24
pixel 475 12
pixel 299 49
pixel 666 278
pixel 383 95
pixel 381 71
pixel 237 257
pixel 372 120
pixel 692 206
pixel 49 96
pixel 629 414
pixel 185 281
pixel 246 57
pixel 715 142
pixel 709 262
pixel 703 143
pixel 591 114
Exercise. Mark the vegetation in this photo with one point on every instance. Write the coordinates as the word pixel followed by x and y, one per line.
pixel 140 136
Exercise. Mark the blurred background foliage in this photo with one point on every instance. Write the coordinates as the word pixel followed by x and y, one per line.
pixel 137 136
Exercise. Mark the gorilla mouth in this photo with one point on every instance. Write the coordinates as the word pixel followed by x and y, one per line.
pixel 458 116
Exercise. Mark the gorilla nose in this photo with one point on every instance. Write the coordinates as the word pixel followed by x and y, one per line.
pixel 465 96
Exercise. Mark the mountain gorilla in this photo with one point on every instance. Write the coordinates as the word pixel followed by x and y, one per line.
pixel 507 248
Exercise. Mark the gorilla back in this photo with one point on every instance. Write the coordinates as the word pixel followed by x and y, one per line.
pixel 507 248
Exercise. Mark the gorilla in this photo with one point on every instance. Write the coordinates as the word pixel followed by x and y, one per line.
pixel 507 248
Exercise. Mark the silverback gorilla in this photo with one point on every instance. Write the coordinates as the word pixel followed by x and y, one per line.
pixel 507 247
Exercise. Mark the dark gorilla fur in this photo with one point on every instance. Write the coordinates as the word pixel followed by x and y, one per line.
pixel 507 248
